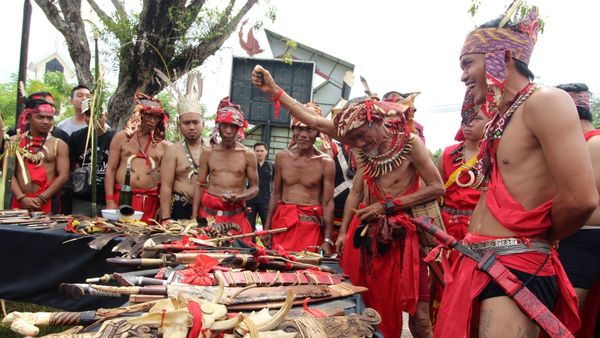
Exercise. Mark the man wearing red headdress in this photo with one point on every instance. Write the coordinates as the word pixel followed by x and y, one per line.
pixel 392 162
pixel 538 182
pixel 141 145
pixel 45 166
pixel 224 169
pixel 302 199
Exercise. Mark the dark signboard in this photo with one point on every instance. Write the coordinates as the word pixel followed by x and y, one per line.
pixel 295 79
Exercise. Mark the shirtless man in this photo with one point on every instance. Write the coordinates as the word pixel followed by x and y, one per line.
pixel 47 163
pixel 142 145
pixel 541 187
pixel 302 199
pixel 579 252
pixel 390 159
pixel 179 168
pixel 224 169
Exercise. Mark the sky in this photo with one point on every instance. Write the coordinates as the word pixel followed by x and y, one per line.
pixel 397 45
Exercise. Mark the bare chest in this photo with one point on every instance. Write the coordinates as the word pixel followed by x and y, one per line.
pixel 233 162
pixel 304 171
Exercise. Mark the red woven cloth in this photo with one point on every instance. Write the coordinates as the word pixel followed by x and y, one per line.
pixel 454 318
pixel 39 177
pixel 350 260
pixel 144 200
pixel 215 204
pixel 304 227
pixel 393 278
pixel 456 197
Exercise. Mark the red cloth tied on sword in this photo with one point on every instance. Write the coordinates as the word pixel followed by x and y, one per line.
pixel 394 278
pixel 304 227
pixel 214 207
pixel 144 200
pixel 454 318
pixel 39 177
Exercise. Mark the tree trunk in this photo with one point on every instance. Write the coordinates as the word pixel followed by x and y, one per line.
pixel 69 23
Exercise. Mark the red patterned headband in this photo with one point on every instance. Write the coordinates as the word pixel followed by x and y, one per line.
pixel 581 99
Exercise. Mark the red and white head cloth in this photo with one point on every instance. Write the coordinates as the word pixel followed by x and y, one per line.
pixel 229 113
pixel 397 115
pixel 147 105
pixel 40 102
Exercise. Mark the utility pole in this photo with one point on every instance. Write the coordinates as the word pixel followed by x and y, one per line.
pixel 23 57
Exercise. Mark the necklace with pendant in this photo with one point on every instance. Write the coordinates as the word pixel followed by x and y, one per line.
pixel 190 159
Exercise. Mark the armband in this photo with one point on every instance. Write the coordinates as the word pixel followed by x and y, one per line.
pixel 277 103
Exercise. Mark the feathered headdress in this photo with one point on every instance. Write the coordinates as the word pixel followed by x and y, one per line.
pixel 188 102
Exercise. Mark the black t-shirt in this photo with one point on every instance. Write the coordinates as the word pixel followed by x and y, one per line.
pixel 77 150
pixel 266 172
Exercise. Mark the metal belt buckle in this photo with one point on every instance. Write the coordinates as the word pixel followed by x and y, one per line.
pixel 219 212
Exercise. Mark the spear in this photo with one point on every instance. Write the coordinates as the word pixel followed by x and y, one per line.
pixel 92 136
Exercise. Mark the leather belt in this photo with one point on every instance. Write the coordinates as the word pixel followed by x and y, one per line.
pixel 226 213
pixel 510 246
pixel 180 198
pixel 309 219
pixel 456 212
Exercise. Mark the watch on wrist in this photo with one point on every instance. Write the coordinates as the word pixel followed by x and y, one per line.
pixel 328 240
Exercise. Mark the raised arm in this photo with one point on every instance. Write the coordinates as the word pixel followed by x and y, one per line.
pixel 262 79
pixel 167 177
pixel 552 118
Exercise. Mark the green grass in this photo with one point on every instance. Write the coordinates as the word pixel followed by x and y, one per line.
pixel 11 306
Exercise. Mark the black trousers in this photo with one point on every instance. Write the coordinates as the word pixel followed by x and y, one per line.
pixel 253 210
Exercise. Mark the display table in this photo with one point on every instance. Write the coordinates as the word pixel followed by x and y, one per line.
pixel 35 262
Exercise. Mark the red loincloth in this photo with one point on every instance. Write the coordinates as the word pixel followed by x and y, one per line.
pixel 304 227
pixel 457 198
pixel 460 295
pixel 144 200
pixel 394 278
pixel 39 177
pixel 350 260
pixel 214 207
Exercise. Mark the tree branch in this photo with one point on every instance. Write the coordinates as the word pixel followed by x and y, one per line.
pixel 181 62
pixel 121 11
pixel 53 14
pixel 105 18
